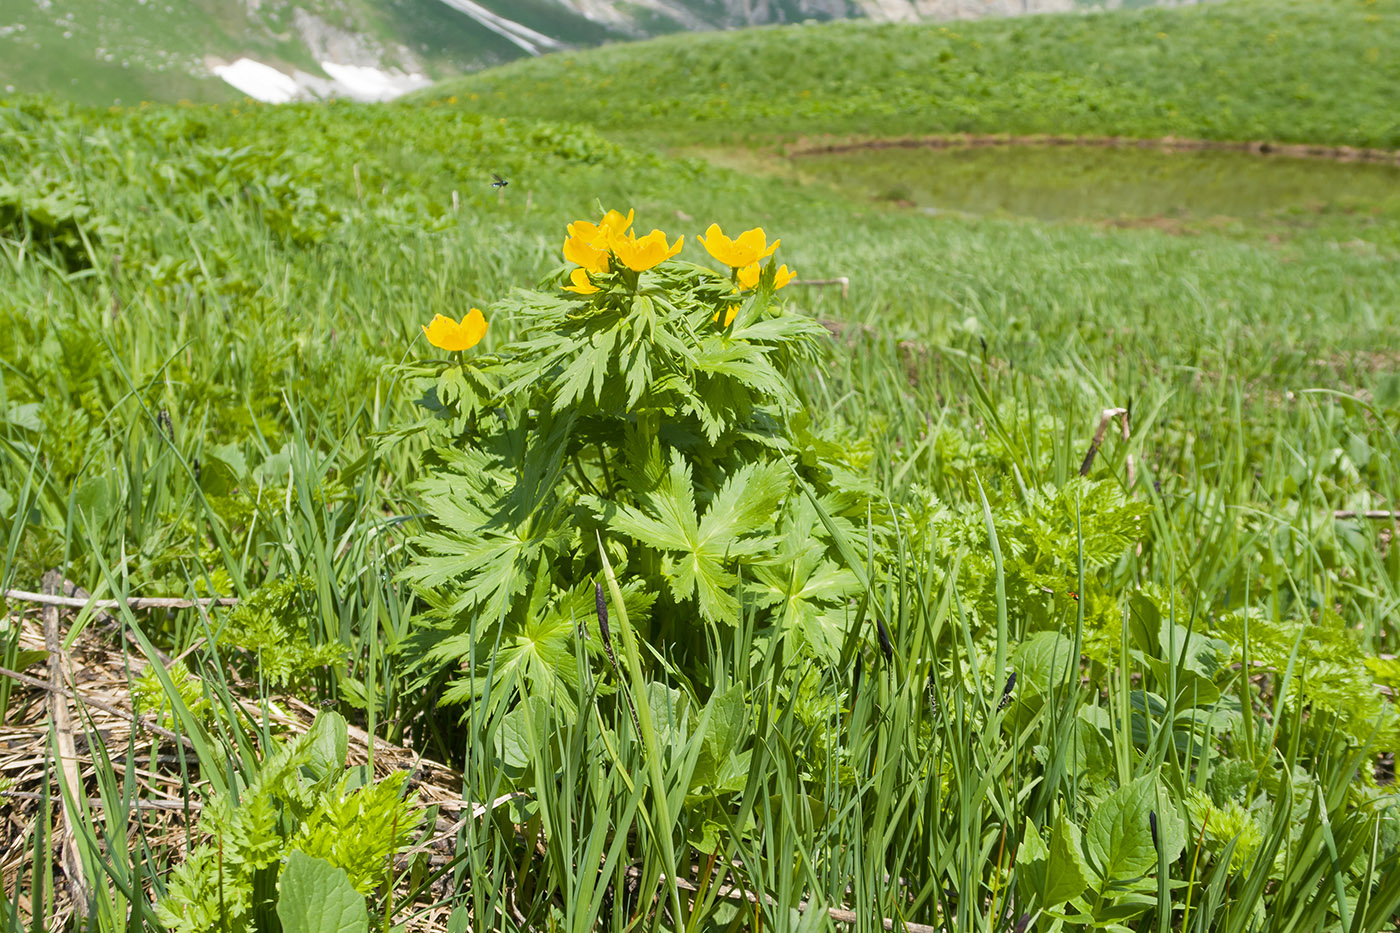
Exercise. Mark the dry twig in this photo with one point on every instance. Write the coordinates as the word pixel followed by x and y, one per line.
pixel 70 788
pixel 136 602
pixel 1104 420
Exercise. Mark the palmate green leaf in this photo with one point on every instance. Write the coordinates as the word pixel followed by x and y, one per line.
pixel 675 527
pixel 744 362
pixel 493 524
pixel 588 369
pixel 712 422
pixel 697 550
pixel 805 593
pixel 636 367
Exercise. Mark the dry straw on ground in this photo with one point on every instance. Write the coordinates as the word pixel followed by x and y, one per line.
pixel 73 709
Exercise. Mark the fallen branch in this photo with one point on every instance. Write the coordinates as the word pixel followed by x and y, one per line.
pixel 193 805
pixel 135 602
pixel 1383 515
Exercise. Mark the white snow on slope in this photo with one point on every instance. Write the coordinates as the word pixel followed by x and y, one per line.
pixel 363 82
pixel 259 81
pixel 357 82
pixel 523 36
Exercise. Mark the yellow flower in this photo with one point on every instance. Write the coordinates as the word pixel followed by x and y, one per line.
pixel 581 284
pixel 580 251
pixel 447 334
pixel 729 315
pixel 640 255
pixel 747 248
pixel 749 275
pixel 601 235
pixel 616 223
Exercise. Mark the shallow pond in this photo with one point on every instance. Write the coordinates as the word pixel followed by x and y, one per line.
pixel 1109 183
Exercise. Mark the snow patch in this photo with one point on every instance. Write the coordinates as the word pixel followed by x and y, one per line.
pixel 259 81
pixel 357 82
pixel 363 82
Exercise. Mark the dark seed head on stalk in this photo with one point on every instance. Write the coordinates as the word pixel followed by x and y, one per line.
pixel 884 636
pixel 1006 692
pixel 1152 824
pixel 602 612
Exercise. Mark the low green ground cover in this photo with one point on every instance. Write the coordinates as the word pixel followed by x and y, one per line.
pixel 822 551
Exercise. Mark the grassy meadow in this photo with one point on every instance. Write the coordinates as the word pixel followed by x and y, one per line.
pixel 1029 586
pixel 1279 70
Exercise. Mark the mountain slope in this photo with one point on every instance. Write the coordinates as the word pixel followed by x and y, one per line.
pixel 97 52
pixel 1305 71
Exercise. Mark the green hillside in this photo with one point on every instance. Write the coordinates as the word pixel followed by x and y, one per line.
pixel 1291 70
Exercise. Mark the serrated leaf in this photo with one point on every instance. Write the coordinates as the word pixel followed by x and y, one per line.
pixel 698 549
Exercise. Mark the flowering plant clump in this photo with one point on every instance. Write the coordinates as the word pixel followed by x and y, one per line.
pixel 650 405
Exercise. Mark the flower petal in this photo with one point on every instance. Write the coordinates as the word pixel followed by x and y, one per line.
pixel 583 253
pixel 446 334
pixel 473 327
pixel 640 254
pixel 717 244
pixel 581 286
pixel 589 233
pixel 615 222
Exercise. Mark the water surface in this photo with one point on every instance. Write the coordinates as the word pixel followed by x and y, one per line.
pixel 1104 183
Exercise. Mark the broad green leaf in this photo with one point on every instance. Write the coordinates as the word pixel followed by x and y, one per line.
pixel 314 896
pixel 523 732
pixel 1057 872
pixel 1044 660
pixel 1067 873
pixel 325 744
pixel 1120 832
